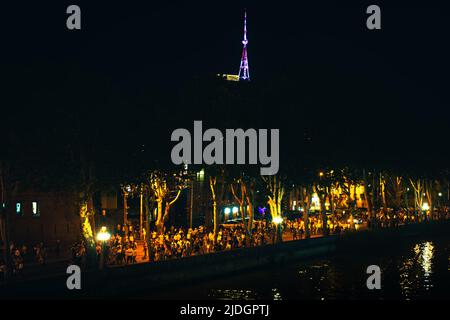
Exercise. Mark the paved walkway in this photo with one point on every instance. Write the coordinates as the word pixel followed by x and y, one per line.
pixel 58 265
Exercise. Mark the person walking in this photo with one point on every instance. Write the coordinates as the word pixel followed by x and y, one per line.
pixel 133 255
pixel 129 255
pixel 18 262
pixel 145 249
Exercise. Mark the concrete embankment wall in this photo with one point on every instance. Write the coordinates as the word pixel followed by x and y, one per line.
pixel 115 282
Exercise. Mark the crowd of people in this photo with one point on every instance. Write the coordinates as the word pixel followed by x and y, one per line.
pixel 127 242
pixel 122 247
pixel 178 242
pixel 174 242
pixel 20 255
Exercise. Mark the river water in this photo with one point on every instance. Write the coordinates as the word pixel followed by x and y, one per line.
pixel 413 269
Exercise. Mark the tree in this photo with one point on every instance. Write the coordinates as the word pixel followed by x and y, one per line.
pixel 217 185
pixel 323 187
pixel 429 186
pixel 250 194
pixel 242 190
pixel 347 180
pixel 418 187
pixel 149 201
pixel 166 190
pixel 396 191
pixel 275 194
pixel 305 199
pixel 370 197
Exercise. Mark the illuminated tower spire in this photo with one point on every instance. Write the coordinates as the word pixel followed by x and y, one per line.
pixel 244 73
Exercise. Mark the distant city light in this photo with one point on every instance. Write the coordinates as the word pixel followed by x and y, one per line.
pixel 227 210
pixel 235 209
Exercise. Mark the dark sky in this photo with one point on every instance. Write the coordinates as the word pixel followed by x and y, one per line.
pixel 136 71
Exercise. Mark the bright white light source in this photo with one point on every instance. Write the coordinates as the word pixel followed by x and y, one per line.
pixel 34 207
pixel 103 235
pixel 235 209
pixel 227 210
pixel 277 220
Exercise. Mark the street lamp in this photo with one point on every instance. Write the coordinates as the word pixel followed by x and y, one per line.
pixel 278 220
pixel 425 208
pixel 103 236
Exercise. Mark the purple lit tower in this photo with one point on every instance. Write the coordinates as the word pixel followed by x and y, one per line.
pixel 244 74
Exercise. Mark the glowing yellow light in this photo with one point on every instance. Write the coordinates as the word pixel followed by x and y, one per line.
pixel 235 209
pixel 425 206
pixel 103 235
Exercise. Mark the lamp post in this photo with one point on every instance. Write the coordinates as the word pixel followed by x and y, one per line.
pixel 425 208
pixel 126 192
pixel 439 202
pixel 103 236
pixel 278 220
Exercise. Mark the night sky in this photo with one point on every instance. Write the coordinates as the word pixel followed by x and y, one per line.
pixel 339 93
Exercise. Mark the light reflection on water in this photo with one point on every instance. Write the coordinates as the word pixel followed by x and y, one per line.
pixel 416 270
pixel 409 270
pixel 276 294
pixel 232 294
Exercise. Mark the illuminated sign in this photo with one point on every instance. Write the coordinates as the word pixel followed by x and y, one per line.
pixel 19 208
pixel 35 208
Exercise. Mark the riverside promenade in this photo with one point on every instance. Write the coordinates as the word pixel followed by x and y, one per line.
pixel 139 278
